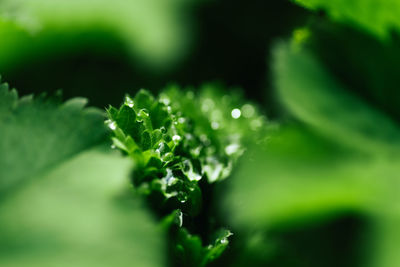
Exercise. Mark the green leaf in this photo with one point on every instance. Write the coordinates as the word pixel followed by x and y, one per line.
pixel 80 213
pixel 343 51
pixel 8 99
pixel 62 202
pixel 179 150
pixel 341 158
pixel 187 144
pixel 143 100
pixel 37 134
pixel 152 30
pixel 378 17
pixel 191 252
pixel 313 96
pixel 299 176
pixel 301 180
pixel 215 250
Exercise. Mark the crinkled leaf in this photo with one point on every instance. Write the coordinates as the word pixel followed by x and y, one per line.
pixel 174 145
pixel 181 143
pixel 215 250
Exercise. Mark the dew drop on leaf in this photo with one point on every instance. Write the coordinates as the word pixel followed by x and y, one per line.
pixel 236 113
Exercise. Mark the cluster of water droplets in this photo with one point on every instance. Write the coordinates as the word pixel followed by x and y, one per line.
pixel 205 154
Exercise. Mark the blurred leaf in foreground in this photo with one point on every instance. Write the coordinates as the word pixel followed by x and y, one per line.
pixel 378 17
pixel 77 214
pixel 152 30
pixel 342 159
pixel 62 201
pixel 365 64
pixel 313 96
pixel 298 176
pixel 38 133
pixel 325 105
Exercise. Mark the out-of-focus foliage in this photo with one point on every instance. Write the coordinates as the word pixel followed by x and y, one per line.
pixel 366 65
pixel 97 49
pixel 91 54
pixel 63 202
pixel 152 30
pixel 328 106
pixel 379 17
pixel 342 159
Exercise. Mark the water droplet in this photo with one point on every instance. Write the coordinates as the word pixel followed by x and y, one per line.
pixel 129 102
pixel 172 194
pixel 165 100
pixel 113 147
pixel 181 120
pixel 112 125
pixel 213 168
pixel 189 136
pixel 180 218
pixel 143 113
pixel 204 139
pixel 236 113
pixel 207 105
pixel 189 171
pixel 195 151
pixel 224 240
pixel 248 111
pixel 215 125
pixel 170 179
pixel 182 197
pixel 192 189
pixel 176 138
pixel 162 148
pixel 232 149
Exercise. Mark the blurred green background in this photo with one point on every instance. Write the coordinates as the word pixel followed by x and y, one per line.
pixel 103 49
pixel 322 191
